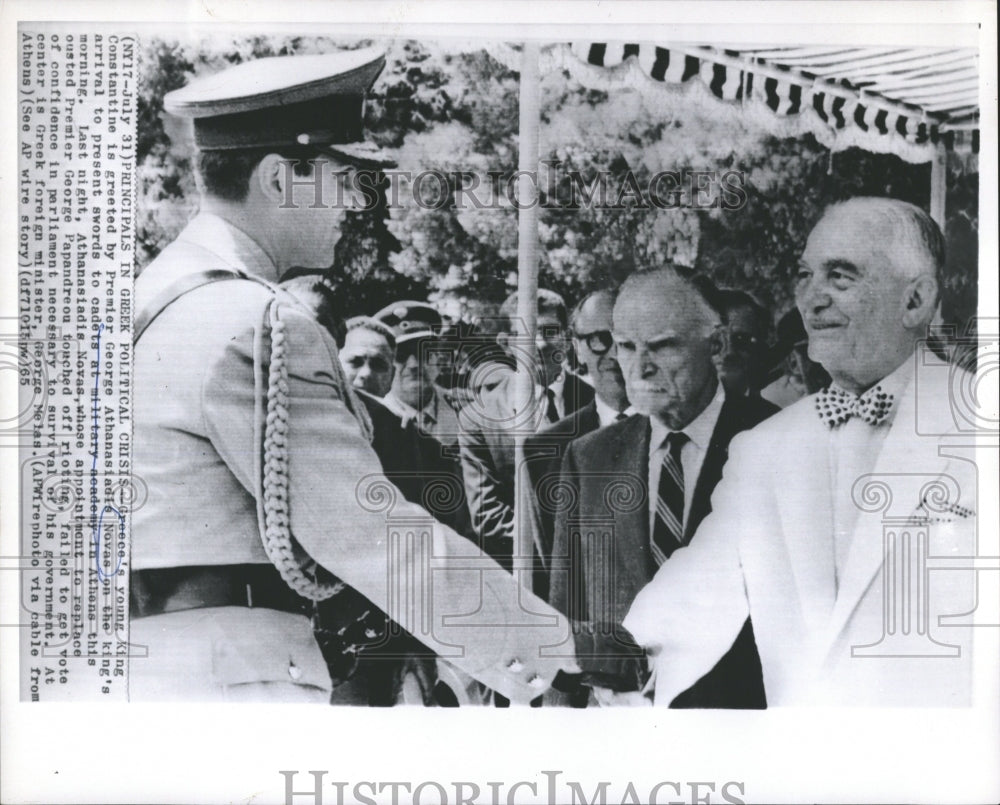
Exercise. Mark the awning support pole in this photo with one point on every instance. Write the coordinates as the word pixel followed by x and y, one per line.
pixel 527 292
pixel 939 184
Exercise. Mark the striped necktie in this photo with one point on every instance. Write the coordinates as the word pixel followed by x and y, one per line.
pixel 668 525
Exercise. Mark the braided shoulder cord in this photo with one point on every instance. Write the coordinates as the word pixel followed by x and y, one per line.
pixel 276 535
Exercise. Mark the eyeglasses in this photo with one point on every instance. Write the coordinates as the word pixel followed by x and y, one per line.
pixel 598 342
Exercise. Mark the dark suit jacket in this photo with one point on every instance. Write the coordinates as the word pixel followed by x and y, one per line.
pixel 601 556
pixel 543 454
pixel 413 461
pixel 486 444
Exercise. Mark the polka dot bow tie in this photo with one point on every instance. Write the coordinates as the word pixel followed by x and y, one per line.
pixel 835 406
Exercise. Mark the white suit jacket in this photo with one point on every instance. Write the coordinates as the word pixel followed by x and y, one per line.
pixel 766 550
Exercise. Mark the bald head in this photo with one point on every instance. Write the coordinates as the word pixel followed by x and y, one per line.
pixel 591 328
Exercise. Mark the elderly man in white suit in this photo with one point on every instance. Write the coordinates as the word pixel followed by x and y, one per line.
pixel 822 524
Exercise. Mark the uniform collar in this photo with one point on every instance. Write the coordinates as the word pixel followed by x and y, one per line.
pixel 233 246
pixel 408 412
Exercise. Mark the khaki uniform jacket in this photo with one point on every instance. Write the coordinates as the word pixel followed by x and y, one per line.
pixel 198 410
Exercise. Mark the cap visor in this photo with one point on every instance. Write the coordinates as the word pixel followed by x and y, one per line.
pixel 414 335
pixel 363 154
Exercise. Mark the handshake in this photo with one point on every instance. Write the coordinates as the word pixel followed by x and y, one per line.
pixel 607 690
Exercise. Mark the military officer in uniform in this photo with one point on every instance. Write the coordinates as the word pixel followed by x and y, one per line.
pixel 414 395
pixel 265 495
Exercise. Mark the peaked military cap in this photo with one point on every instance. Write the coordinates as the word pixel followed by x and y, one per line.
pixel 409 320
pixel 286 101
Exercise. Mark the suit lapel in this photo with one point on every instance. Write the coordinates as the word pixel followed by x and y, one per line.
pixel 576 393
pixel 631 459
pixel 587 419
pixel 730 422
pixel 802 484
pixel 907 464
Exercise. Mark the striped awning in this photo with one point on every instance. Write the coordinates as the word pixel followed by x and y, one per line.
pixel 905 101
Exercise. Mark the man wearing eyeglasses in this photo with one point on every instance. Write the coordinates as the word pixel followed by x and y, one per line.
pixel 636 490
pixel 590 326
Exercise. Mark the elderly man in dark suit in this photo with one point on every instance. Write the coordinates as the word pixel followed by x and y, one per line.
pixel 590 325
pixel 489 421
pixel 611 534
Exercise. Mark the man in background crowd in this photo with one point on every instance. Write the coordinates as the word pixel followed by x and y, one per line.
pixel 793 373
pixel 742 364
pixel 414 395
pixel 489 421
pixel 637 489
pixel 590 325
pixel 799 537
pixel 368 355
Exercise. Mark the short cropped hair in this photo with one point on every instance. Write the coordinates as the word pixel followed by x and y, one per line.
pixel 368 323
pixel 548 302
pixel 226 174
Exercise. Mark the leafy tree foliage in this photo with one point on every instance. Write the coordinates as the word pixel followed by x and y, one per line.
pixel 456 113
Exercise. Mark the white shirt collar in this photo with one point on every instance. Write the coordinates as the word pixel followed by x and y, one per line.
pixel 558 400
pixel 699 430
pixel 606 415
pixel 556 385
pixel 898 379
pixel 894 383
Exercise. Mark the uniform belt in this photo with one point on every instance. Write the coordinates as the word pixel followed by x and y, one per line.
pixel 155 591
